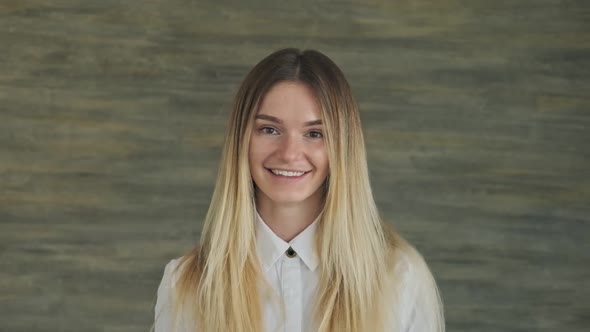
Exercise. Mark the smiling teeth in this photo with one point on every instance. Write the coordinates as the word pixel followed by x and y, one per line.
pixel 287 173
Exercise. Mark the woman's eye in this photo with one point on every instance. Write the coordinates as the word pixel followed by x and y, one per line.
pixel 268 131
pixel 315 134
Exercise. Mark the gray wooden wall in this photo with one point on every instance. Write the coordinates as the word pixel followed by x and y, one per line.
pixel 112 115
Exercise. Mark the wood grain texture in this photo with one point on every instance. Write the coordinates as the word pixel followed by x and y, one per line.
pixel 112 116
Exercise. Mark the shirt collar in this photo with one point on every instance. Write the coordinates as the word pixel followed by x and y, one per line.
pixel 271 247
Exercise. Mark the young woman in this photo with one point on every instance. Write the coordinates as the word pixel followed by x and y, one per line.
pixel 293 240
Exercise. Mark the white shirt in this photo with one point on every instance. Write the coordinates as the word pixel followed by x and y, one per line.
pixel 294 281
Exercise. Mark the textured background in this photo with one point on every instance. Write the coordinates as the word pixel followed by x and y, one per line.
pixel 112 115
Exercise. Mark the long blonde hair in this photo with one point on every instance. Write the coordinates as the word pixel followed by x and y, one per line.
pixel 218 283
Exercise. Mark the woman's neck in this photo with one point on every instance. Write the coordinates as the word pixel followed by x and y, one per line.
pixel 287 220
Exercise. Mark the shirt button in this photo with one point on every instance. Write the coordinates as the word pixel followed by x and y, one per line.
pixel 291 253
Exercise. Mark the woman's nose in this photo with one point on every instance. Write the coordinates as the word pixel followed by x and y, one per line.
pixel 290 148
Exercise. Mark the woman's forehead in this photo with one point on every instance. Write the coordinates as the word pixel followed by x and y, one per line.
pixel 290 102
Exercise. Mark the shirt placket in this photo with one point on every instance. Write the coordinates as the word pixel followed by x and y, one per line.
pixel 291 288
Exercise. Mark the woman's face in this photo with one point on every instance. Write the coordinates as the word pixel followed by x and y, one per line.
pixel 288 158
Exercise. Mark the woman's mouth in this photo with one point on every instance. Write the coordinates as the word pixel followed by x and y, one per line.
pixel 287 174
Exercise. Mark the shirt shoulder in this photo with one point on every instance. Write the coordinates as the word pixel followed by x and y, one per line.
pixel 417 302
pixel 163 312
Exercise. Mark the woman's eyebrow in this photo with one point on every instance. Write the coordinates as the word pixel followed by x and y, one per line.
pixel 313 123
pixel 269 118
pixel 279 121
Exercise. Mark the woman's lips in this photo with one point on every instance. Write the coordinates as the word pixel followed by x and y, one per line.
pixel 287 178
